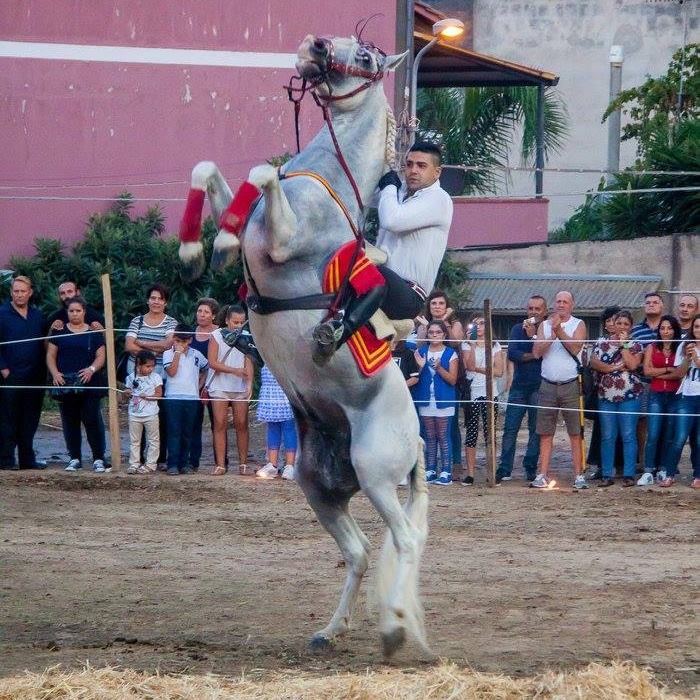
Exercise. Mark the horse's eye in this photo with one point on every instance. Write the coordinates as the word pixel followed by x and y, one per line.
pixel 363 56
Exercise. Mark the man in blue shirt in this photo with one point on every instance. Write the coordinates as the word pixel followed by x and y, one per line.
pixel 524 390
pixel 22 364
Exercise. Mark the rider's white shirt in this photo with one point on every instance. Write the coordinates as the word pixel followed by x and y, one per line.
pixel 413 233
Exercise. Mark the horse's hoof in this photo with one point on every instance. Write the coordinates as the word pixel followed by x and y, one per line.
pixel 393 641
pixel 192 268
pixel 319 644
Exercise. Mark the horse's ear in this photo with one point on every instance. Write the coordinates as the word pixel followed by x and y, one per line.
pixel 392 62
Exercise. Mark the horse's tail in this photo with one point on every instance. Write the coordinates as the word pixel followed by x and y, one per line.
pixel 416 509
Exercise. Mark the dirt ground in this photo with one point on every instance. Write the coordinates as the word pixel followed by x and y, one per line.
pixel 204 574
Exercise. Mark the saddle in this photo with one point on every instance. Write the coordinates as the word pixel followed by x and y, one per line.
pixel 369 345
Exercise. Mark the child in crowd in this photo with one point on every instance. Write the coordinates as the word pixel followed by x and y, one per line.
pixel 275 410
pixel 229 386
pixel 144 387
pixel 185 368
pixel 434 394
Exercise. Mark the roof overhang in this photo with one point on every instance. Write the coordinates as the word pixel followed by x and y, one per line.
pixel 592 293
pixel 446 65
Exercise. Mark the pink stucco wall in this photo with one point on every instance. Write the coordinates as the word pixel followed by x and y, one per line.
pixel 93 128
pixel 492 221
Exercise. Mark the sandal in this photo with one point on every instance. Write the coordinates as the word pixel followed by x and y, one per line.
pixel 668 481
pixel 242 469
pixel 219 470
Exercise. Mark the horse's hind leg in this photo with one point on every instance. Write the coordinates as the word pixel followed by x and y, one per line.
pixel 354 546
pixel 380 460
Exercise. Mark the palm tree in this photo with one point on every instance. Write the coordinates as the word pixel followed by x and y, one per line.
pixel 476 127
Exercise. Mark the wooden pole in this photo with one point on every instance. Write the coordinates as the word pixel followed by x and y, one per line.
pixel 490 412
pixel 114 437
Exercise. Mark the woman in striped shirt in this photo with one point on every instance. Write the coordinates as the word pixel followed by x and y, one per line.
pixel 153 331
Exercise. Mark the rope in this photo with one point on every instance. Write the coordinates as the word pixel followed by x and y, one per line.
pixel 586 193
pixel 390 147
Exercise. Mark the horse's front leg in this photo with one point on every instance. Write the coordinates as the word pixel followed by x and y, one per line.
pixel 280 220
pixel 206 179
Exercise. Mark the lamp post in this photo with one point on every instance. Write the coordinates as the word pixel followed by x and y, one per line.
pixel 616 59
pixel 448 28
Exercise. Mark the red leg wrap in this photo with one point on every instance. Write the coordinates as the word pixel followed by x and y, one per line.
pixel 235 216
pixel 191 224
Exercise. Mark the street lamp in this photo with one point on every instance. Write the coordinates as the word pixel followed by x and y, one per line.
pixel 447 28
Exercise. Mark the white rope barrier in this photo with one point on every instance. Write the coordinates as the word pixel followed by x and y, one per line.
pixel 527 195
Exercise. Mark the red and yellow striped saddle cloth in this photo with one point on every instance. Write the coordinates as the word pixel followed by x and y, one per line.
pixel 370 353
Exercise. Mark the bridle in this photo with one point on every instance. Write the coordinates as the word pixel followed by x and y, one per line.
pixel 324 101
pixel 330 302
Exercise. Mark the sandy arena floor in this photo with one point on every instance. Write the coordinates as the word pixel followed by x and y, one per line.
pixel 224 574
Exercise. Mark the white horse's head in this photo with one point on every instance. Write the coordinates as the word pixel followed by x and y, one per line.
pixel 340 68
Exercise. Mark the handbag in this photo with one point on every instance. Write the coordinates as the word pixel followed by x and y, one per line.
pixel 73 385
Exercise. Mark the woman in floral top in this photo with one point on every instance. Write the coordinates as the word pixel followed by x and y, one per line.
pixel 619 387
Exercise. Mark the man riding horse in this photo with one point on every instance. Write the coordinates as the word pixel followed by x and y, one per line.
pixel 414 221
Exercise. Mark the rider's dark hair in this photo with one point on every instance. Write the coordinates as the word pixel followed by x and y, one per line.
pixel 427 147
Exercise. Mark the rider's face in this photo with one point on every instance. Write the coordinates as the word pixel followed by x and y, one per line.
pixel 421 170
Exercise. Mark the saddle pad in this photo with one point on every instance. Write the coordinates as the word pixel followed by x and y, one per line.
pixel 370 353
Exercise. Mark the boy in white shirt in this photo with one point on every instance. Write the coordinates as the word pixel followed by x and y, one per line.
pixel 144 387
pixel 186 369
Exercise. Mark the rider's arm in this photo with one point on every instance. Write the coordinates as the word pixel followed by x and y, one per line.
pixel 425 209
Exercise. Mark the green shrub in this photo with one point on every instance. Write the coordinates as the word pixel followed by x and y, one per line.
pixel 133 251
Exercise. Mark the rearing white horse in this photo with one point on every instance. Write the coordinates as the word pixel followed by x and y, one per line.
pixel 356 432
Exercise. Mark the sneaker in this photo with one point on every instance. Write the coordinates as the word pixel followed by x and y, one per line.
pixel 660 476
pixel 580 482
pixel 269 471
pixel 540 482
pixel 506 478
pixel 288 473
pixel 668 481
pixel 646 479
pixel 430 476
pixel 445 479
pixel 468 481
pixel 98 466
pixel 132 469
pixel 73 465
pixel 627 482
pixel 187 470
pixel 604 483
pixel 172 471
pixel 142 469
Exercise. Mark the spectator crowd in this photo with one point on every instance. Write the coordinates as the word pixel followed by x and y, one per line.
pixel 639 383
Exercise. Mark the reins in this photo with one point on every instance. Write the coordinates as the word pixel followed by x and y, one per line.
pixel 331 302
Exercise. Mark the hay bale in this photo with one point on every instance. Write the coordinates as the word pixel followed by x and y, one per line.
pixel 615 681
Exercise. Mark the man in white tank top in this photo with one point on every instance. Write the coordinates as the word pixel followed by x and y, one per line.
pixel 559 388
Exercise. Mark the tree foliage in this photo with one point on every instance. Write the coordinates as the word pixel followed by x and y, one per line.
pixel 476 127
pixel 653 109
pixel 133 251
pixel 668 141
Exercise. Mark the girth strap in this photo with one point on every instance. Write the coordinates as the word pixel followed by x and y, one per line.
pixel 270 305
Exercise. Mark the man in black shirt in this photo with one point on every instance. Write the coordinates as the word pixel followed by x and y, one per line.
pixel 66 291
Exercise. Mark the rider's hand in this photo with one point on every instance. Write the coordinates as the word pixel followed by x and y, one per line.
pixel 390 178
